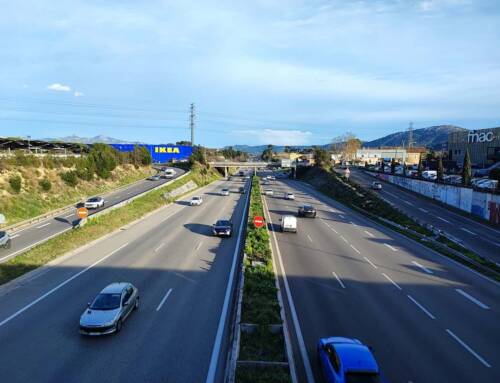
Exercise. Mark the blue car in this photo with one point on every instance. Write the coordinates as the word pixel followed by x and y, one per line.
pixel 345 360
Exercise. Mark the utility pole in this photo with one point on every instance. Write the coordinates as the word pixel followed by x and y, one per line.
pixel 410 135
pixel 191 122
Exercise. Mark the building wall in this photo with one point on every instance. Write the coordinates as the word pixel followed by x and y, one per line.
pixel 373 156
pixel 482 145
pixel 160 153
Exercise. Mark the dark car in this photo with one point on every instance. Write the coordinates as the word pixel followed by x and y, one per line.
pixel 307 211
pixel 223 227
pixel 241 189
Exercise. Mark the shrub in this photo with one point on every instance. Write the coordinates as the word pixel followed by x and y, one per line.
pixel 104 158
pixel 70 178
pixel 45 184
pixel 15 183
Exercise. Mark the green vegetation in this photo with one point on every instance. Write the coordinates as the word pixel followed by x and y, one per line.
pixel 70 178
pixel 260 304
pixel 15 183
pixel 97 227
pixel 45 184
pixel 466 169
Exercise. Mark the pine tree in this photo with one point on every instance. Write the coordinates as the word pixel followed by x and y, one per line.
pixel 440 170
pixel 393 166
pixel 466 169
pixel 420 167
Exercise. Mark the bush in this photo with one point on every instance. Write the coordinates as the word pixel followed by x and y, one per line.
pixel 104 157
pixel 70 178
pixel 45 184
pixel 15 183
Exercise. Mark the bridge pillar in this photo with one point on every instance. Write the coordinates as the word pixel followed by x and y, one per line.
pixel 225 171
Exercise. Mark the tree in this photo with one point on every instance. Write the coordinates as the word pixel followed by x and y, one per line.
pixel 267 154
pixel 393 166
pixel 199 155
pixel 440 170
pixel 287 149
pixel 105 159
pixel 404 168
pixel 320 157
pixel 466 169
pixel 420 167
pixel 183 143
pixel 351 146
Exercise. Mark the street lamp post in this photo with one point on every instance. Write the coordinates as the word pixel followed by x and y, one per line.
pixel 29 144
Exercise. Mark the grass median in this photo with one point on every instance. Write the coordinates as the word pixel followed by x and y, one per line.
pixel 98 227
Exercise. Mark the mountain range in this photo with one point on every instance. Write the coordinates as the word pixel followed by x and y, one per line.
pixel 91 140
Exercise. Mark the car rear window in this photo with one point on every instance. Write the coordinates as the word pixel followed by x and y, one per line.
pixel 222 223
pixel 362 377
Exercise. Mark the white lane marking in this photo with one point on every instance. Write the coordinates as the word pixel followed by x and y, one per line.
pixel 356 250
pixel 45 224
pixel 225 307
pixel 370 262
pixel 423 210
pixel 421 307
pixel 129 193
pixel 69 215
pixel 345 240
pixel 341 216
pixel 309 238
pixel 164 299
pixel 326 223
pixel 352 223
pixel 167 217
pixel 184 277
pixel 442 219
pixel 390 247
pixel 464 345
pixel 393 195
pixel 335 231
pixel 14 236
pixel 407 202
pixel 370 234
pixel 198 246
pixel 472 299
pixel 295 320
pixel 53 290
pixel 338 279
pixel 422 267
pixel 467 231
pixel 390 280
pixel 159 247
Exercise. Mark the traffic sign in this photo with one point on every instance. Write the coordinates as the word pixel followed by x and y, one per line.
pixel 258 221
pixel 82 212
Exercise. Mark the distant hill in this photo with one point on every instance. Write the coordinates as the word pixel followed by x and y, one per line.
pixel 431 137
pixel 91 140
pixel 258 149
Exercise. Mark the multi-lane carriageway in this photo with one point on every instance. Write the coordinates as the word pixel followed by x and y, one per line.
pixel 427 318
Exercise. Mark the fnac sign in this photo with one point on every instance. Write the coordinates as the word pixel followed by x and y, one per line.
pixel 474 136
pixel 167 149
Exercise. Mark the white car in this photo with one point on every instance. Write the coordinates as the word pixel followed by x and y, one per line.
pixel 5 240
pixel 268 192
pixel 289 223
pixel 196 201
pixel 290 196
pixel 376 186
pixel 224 192
pixel 94 203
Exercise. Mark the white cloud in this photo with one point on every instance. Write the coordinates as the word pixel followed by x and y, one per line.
pixel 78 94
pixel 275 136
pixel 59 87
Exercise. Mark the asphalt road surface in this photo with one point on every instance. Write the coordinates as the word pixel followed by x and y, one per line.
pixel 179 333
pixel 427 318
pixel 39 232
pixel 482 239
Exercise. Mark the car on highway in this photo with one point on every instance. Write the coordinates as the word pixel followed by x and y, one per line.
pixel 376 185
pixel 154 177
pixel 269 192
pixel 196 201
pixel 108 311
pixel 224 192
pixel 223 227
pixel 288 223
pixel 346 360
pixel 308 211
pixel 290 196
pixel 241 190
pixel 94 203
pixel 5 240
pixel 168 173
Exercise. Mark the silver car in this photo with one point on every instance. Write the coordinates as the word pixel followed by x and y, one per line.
pixel 109 309
pixel 4 240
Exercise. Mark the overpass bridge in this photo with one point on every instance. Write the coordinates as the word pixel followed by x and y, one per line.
pixel 234 164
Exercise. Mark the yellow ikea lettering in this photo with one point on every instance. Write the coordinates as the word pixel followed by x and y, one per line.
pixel 156 149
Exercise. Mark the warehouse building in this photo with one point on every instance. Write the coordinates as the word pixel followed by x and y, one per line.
pixel 373 156
pixel 483 146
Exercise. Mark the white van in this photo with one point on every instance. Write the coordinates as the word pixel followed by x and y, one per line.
pixel 429 174
pixel 168 173
pixel 289 223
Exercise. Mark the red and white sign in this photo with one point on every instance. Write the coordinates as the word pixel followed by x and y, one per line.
pixel 82 212
pixel 258 221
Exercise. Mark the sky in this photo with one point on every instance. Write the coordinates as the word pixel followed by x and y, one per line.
pixel 285 72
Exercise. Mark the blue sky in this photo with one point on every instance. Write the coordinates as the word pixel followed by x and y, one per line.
pixel 279 71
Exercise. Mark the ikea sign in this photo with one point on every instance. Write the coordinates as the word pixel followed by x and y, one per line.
pixel 161 153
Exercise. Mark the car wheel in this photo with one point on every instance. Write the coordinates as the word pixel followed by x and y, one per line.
pixel 136 306
pixel 119 325
pixel 8 244
pixel 314 216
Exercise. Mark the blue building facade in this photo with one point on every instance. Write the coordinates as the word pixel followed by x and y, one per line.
pixel 160 153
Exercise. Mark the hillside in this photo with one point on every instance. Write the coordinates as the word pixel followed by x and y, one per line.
pixel 91 140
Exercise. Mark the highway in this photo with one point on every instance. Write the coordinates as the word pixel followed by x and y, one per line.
pixel 427 318
pixel 480 238
pixel 40 231
pixel 185 278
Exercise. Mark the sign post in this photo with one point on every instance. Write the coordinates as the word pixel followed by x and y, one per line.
pixel 258 221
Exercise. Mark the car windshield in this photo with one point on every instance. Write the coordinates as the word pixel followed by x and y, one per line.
pixel 308 207
pixel 222 222
pixel 362 377
pixel 225 190
pixel 106 302
pixel 95 199
pixel 2 234
pixel 196 198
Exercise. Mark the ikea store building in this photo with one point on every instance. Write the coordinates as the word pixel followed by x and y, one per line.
pixel 161 153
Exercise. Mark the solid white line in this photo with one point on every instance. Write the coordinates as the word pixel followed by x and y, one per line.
pixel 335 231
pixel 467 231
pixel 442 219
pixel 370 234
pixel 295 320
pixel 309 237
pixel 407 202
pixel 421 307
pixel 326 223
pixel 371 263
pixel 345 240
pixel 18 312
pixel 223 315
pixel 390 280
pixel 390 247
pixel 341 216
pixel 45 224
pixel 338 279
pixel 423 210
pixel 159 247
pixel 164 299
pixel 464 345
pixel 472 299
pixel 422 267
pixel 356 250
